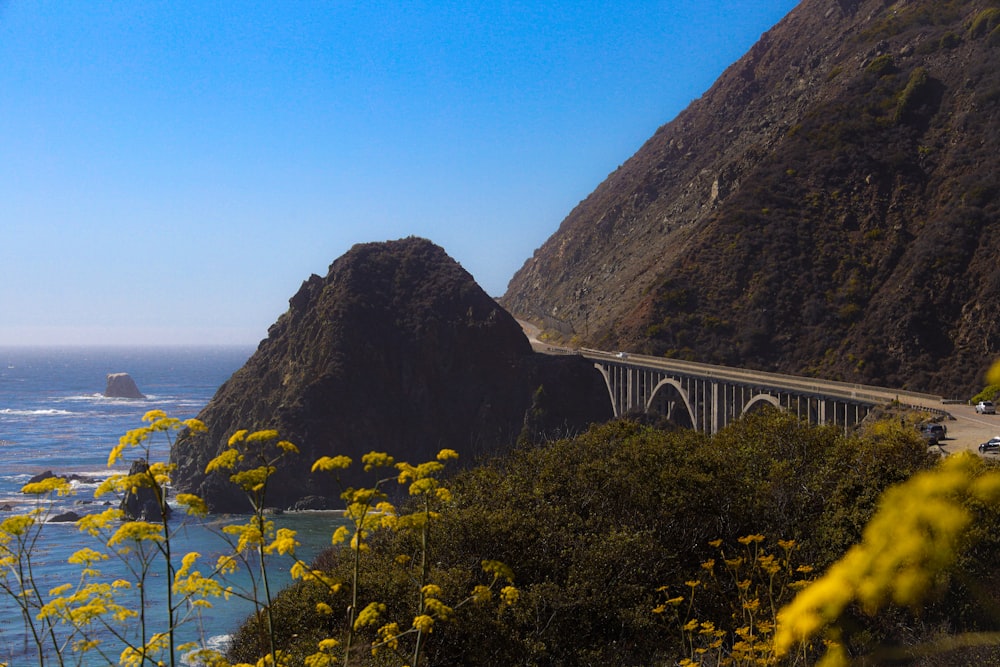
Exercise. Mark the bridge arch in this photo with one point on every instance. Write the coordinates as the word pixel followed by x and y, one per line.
pixel 615 409
pixel 758 400
pixel 661 394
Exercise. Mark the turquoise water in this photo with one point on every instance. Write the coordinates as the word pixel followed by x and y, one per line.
pixel 53 417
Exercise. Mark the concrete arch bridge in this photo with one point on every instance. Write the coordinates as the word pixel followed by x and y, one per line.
pixel 708 397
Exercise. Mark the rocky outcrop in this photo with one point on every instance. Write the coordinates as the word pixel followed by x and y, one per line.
pixel 142 503
pixel 829 207
pixel 121 385
pixel 42 476
pixel 397 349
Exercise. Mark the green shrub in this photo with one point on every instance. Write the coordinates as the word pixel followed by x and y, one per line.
pixel 593 526
pixel 913 94
pixel 881 65
pixel 984 22
pixel 989 393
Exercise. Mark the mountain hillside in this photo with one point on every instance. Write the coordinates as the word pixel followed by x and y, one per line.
pixel 829 207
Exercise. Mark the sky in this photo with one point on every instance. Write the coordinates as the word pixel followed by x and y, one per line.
pixel 170 172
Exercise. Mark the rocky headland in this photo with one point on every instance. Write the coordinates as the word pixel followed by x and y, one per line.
pixel 397 349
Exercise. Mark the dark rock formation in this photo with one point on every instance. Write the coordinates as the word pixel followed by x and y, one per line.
pixel 829 207
pixel 396 349
pixel 142 505
pixel 121 385
pixel 41 477
pixel 313 503
pixel 65 517
pixel 69 478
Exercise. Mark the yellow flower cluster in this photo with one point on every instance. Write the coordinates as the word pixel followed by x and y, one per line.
pixel 60 485
pixel 369 615
pixel 911 539
pixel 755 581
pixel 158 423
pixel 251 459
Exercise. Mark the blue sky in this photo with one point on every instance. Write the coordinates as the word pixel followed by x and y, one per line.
pixel 172 171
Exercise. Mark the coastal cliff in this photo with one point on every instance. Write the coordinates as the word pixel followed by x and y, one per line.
pixel 397 349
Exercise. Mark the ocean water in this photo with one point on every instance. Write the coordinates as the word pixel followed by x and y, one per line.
pixel 54 417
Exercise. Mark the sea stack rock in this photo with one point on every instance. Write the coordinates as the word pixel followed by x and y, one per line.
pixel 397 349
pixel 121 385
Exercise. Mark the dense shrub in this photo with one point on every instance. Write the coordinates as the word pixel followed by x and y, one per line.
pixel 593 525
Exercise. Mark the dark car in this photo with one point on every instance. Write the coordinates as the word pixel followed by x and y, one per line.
pixel 991 445
pixel 933 433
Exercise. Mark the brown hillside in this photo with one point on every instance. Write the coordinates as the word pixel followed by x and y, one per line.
pixel 829 207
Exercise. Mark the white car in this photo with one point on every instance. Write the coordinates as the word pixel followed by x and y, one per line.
pixel 986 408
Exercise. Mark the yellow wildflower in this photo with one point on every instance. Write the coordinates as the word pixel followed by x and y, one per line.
pixel 481 594
pixel 327 463
pixel 262 437
pixel 498 569
pixel 369 615
pixel 373 460
pixel 226 460
pixel 86 557
pixel 194 504
pixel 137 531
pixel 195 425
pixel 154 415
pixel 284 542
pixel 424 623
pixel 287 447
pixel 389 635
pixel 910 539
pixel 58 484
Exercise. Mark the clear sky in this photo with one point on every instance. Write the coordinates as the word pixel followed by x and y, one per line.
pixel 170 172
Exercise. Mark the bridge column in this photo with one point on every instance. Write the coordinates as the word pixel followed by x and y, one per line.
pixel 718 409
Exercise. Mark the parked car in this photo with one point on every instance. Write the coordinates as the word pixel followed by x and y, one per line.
pixel 991 445
pixel 986 408
pixel 930 435
pixel 933 433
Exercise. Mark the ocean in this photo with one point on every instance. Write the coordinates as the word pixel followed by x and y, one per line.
pixel 54 417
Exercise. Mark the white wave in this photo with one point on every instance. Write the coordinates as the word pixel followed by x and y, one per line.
pixel 217 643
pixel 101 398
pixel 47 412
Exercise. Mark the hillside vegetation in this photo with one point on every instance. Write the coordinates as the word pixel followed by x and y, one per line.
pixel 830 207
pixel 593 526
